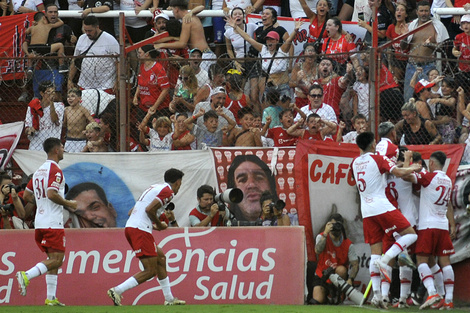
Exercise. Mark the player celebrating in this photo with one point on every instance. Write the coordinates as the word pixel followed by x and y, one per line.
pixel 139 235
pixel 435 215
pixel 380 216
pixel 46 189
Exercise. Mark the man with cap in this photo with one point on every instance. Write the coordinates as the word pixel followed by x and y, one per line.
pixel 386 145
pixel 192 35
pixel 217 99
pixel 422 44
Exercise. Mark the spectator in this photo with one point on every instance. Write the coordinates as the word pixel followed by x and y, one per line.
pixel 153 85
pixel 216 79
pixel 236 98
pixel 359 122
pixel 272 210
pixel 255 74
pixel 337 43
pixel 317 129
pixel 246 135
pixel 210 134
pixel 275 70
pixel 453 27
pixel 272 111
pixel 12 211
pixel 445 110
pixel 208 212
pixel 95 140
pixel 105 23
pixel 237 47
pixel 462 52
pixel 360 92
pixel 108 128
pixel 98 73
pixel 28 6
pixel 398 60
pixel 279 133
pixel 304 74
pixel 182 137
pixel 414 129
pixel 317 29
pixel 245 5
pixel 217 100
pixel 422 45
pixel 423 94
pixel 76 118
pixel 44 117
pixel 192 34
pixel 195 57
pixel 250 174
pixel 136 26
pixel 335 251
pixel 160 134
pixel 183 100
pixel 333 85
pixel 384 19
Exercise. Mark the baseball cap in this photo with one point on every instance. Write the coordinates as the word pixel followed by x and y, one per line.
pixel 423 84
pixel 273 35
pixel 465 18
pixel 217 90
pixel 195 50
pixel 159 13
pixel 385 128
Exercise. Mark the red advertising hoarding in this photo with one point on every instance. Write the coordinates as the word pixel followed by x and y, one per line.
pixel 205 266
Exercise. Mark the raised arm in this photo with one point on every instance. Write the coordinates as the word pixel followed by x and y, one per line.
pixel 294 129
pixel 308 12
pixel 231 22
pixel 287 44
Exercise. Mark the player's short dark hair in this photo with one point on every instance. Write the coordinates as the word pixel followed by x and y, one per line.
pixel 439 156
pixel 385 128
pixel 401 153
pixel 172 175
pixel 51 143
pixel 91 20
pixel 244 111
pixel 86 186
pixel 182 4
pixel 364 140
pixel 209 114
pixel 205 189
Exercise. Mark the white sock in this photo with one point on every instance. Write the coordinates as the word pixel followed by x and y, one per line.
pixel 130 283
pixel 438 280
pixel 36 270
pixel 386 285
pixel 400 245
pixel 427 278
pixel 165 283
pixel 51 283
pixel 406 276
pixel 448 274
pixel 375 274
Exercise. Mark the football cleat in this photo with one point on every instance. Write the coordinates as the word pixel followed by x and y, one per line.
pixel 54 302
pixel 383 270
pixel 175 301
pixel 404 258
pixel 447 306
pixel 430 301
pixel 23 282
pixel 115 297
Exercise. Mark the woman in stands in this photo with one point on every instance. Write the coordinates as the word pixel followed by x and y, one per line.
pixel 304 74
pixel 317 29
pixel 183 100
pixel 336 43
pixel 274 57
pixel 236 98
pixel 398 60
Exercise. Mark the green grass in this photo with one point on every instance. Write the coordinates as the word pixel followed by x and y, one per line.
pixel 229 308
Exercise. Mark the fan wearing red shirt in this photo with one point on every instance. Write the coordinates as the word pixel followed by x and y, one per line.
pixel 279 133
pixel 337 42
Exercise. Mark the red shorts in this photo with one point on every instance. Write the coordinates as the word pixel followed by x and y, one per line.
pixel 435 242
pixel 50 240
pixel 142 242
pixel 388 223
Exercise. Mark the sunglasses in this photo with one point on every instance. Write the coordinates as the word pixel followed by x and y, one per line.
pixel 184 77
pixel 315 95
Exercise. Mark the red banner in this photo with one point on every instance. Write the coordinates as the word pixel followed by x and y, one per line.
pixel 326 186
pixel 205 266
pixel 13 30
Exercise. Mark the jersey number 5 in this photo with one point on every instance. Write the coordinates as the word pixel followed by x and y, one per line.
pixel 361 183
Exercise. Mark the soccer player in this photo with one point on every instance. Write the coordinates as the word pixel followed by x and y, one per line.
pixel 380 216
pixel 435 215
pixel 139 235
pixel 46 189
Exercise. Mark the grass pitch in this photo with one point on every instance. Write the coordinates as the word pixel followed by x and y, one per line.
pixel 209 309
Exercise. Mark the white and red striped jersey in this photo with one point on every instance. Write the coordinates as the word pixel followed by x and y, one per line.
pixel 402 191
pixel 139 218
pixel 48 214
pixel 368 170
pixel 388 148
pixel 436 188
